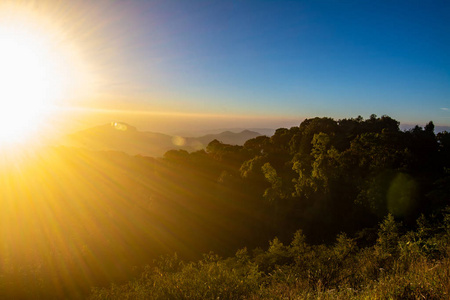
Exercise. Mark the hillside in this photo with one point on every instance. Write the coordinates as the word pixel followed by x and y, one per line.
pixel 74 218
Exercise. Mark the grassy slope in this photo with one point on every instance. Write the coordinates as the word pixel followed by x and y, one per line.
pixel 412 265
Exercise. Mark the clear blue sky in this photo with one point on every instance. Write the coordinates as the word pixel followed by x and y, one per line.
pixel 278 58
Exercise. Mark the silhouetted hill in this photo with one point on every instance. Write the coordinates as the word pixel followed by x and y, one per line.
pixel 74 218
pixel 121 137
pixel 126 138
pixel 226 137
pixel 198 133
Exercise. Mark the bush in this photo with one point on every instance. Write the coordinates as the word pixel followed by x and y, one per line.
pixel 396 267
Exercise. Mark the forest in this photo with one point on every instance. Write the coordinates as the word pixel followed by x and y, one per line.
pixel 332 209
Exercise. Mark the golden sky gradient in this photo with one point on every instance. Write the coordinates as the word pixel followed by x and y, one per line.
pixel 166 66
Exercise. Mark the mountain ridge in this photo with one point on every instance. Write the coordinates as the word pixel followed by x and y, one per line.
pixel 120 136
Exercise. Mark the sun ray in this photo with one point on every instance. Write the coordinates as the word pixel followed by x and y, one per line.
pixel 40 69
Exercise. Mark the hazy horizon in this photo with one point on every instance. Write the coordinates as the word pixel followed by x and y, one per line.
pixel 167 66
pixel 196 124
pixel 348 203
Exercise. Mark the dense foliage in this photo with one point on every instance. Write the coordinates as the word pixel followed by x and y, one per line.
pixel 72 219
pixel 328 176
pixel 412 265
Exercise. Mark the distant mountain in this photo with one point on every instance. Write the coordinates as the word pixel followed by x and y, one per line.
pixel 120 137
pixel 198 133
pixel 126 138
pixel 226 137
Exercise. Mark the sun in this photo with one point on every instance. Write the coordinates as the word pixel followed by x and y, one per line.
pixel 28 83
pixel 38 69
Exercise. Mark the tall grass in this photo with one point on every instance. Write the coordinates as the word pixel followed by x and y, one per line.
pixel 413 265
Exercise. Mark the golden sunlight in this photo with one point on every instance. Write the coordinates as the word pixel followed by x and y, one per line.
pixel 27 84
pixel 39 67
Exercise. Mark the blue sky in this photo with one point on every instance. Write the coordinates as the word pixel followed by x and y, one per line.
pixel 283 59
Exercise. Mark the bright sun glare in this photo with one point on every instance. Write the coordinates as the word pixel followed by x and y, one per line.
pixel 27 83
pixel 35 73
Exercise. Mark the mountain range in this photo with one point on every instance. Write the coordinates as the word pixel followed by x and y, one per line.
pixel 123 137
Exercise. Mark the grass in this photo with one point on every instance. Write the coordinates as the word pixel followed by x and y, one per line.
pixel 414 265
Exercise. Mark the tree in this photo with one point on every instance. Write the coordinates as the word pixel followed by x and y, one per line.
pixel 388 238
pixel 275 191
